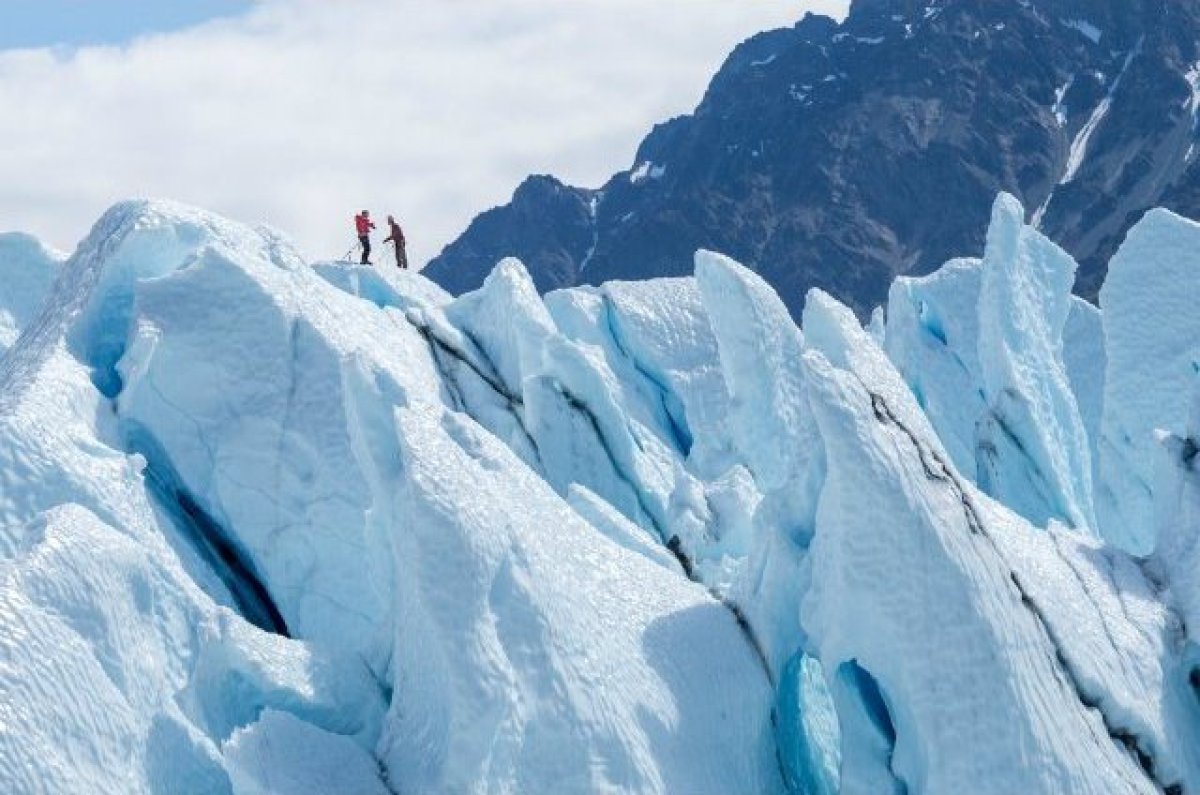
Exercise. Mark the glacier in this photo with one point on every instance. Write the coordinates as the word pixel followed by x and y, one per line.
pixel 1153 340
pixel 274 527
pixel 28 269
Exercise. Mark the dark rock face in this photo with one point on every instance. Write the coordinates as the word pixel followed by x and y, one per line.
pixel 548 226
pixel 842 155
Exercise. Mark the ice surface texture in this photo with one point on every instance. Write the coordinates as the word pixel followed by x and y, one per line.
pixel 27 269
pixel 283 529
pixel 1152 331
pixel 250 547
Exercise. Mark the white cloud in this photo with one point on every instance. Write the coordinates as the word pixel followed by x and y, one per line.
pixel 305 111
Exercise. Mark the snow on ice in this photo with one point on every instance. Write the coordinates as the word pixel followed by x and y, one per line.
pixel 27 269
pixel 1153 339
pixel 277 528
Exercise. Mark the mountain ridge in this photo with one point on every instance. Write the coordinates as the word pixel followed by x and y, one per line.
pixel 841 155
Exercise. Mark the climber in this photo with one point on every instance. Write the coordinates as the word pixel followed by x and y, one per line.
pixel 363 225
pixel 396 238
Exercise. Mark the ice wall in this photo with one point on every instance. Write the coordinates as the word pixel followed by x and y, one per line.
pixel 910 562
pixel 933 338
pixel 359 536
pixel 1176 560
pixel 27 269
pixel 126 665
pixel 1153 335
pixel 1032 450
pixel 1009 368
pixel 341 573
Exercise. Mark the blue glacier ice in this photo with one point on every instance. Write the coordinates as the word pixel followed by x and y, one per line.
pixel 311 559
pixel 932 335
pixel 1032 451
pixel 27 271
pixel 278 528
pixel 1153 338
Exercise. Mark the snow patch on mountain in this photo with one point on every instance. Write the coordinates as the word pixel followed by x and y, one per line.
pixel 1087 29
pixel 648 170
pixel 1079 146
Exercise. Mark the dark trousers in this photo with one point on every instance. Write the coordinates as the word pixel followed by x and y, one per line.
pixel 401 257
pixel 366 247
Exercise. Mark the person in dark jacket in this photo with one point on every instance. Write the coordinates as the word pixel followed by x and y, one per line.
pixel 396 238
pixel 363 225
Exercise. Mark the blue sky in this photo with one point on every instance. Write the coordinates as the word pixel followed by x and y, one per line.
pixel 42 23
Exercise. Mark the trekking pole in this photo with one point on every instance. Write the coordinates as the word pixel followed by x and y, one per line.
pixel 349 255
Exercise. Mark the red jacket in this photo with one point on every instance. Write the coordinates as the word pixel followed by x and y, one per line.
pixel 363 224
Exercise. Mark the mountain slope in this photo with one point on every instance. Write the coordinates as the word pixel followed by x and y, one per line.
pixel 841 155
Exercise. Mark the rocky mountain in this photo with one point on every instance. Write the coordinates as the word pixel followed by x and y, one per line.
pixel 840 155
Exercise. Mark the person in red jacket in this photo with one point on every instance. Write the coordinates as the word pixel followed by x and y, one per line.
pixel 363 225
pixel 396 238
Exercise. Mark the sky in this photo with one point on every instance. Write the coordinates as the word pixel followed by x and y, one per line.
pixel 298 113
pixel 38 23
